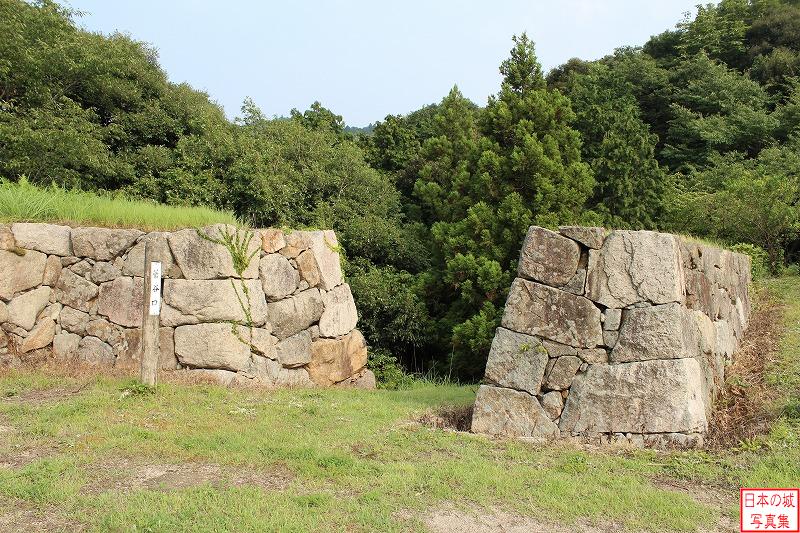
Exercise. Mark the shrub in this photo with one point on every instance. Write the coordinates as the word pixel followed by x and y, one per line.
pixel 388 373
pixel 759 260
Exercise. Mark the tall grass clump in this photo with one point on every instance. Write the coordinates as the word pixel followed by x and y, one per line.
pixel 25 202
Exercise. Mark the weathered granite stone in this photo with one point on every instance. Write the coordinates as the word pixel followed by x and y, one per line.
pixel 278 278
pixel 640 397
pixel 272 240
pixel 610 338
pixel 506 412
pixel 83 268
pixel 334 360
pixel 69 261
pixel 52 271
pixel 666 331
pixel 7 241
pixel 129 349
pixel 73 320
pixel 295 351
pixel 591 237
pixel 134 259
pixel 325 249
pixel 548 258
pixel 308 268
pixel 555 349
pixel 102 244
pixel 172 317
pixel 65 345
pixel 556 315
pixel 516 361
pixel 293 378
pixel 725 341
pixel 40 336
pixel 612 319
pixel 75 291
pixel 103 271
pixel 593 356
pixel 93 351
pixel 667 441
pixel 211 346
pixel 553 404
pixel 200 258
pixel 215 300
pixel 262 342
pixel 293 315
pixel 3 312
pixel 20 272
pixel 25 308
pixel 563 370
pixel 105 331
pixel 633 267
pixel 577 284
pixel 339 316
pixel 45 238
pixel 363 380
pixel 121 301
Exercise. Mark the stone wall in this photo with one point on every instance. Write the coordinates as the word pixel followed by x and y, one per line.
pixel 75 294
pixel 620 336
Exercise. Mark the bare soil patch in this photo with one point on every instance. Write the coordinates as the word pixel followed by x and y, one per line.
pixel 17 516
pixel 452 520
pixel 125 476
pixel 449 417
pixel 743 408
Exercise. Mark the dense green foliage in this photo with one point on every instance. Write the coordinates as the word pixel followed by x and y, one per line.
pixel 696 132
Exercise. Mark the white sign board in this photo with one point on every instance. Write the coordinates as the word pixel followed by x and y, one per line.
pixel 155 288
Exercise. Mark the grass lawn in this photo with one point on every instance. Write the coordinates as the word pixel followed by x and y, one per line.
pixel 24 202
pixel 78 455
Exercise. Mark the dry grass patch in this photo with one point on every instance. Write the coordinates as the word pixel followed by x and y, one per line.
pixel 744 408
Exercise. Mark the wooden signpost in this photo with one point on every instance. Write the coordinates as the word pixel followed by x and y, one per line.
pixel 151 310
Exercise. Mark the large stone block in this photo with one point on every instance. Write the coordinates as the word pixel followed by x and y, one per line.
pixel 295 351
pixel 339 316
pixel 121 301
pixel 323 263
pixel 561 372
pixel 94 351
pixel 130 349
pixel 65 345
pixel 45 238
pixel 40 336
pixel 657 396
pixel 591 237
pixel 293 315
pixel 73 320
pixel 211 346
pixel 667 331
pixel 272 240
pixel 634 267
pixel 556 315
pixel 334 360
pixel 20 272
pixel 547 257
pixel 510 413
pixel 102 244
pixel 75 291
pixel 134 259
pixel 3 312
pixel 279 279
pixel 24 309
pixel 516 361
pixel 215 300
pixel 201 258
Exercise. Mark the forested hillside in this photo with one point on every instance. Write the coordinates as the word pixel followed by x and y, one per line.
pixel 695 131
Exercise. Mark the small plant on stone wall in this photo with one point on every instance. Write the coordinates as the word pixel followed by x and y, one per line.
pixel 237 242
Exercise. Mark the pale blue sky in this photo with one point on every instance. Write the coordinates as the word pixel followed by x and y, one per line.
pixel 365 59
